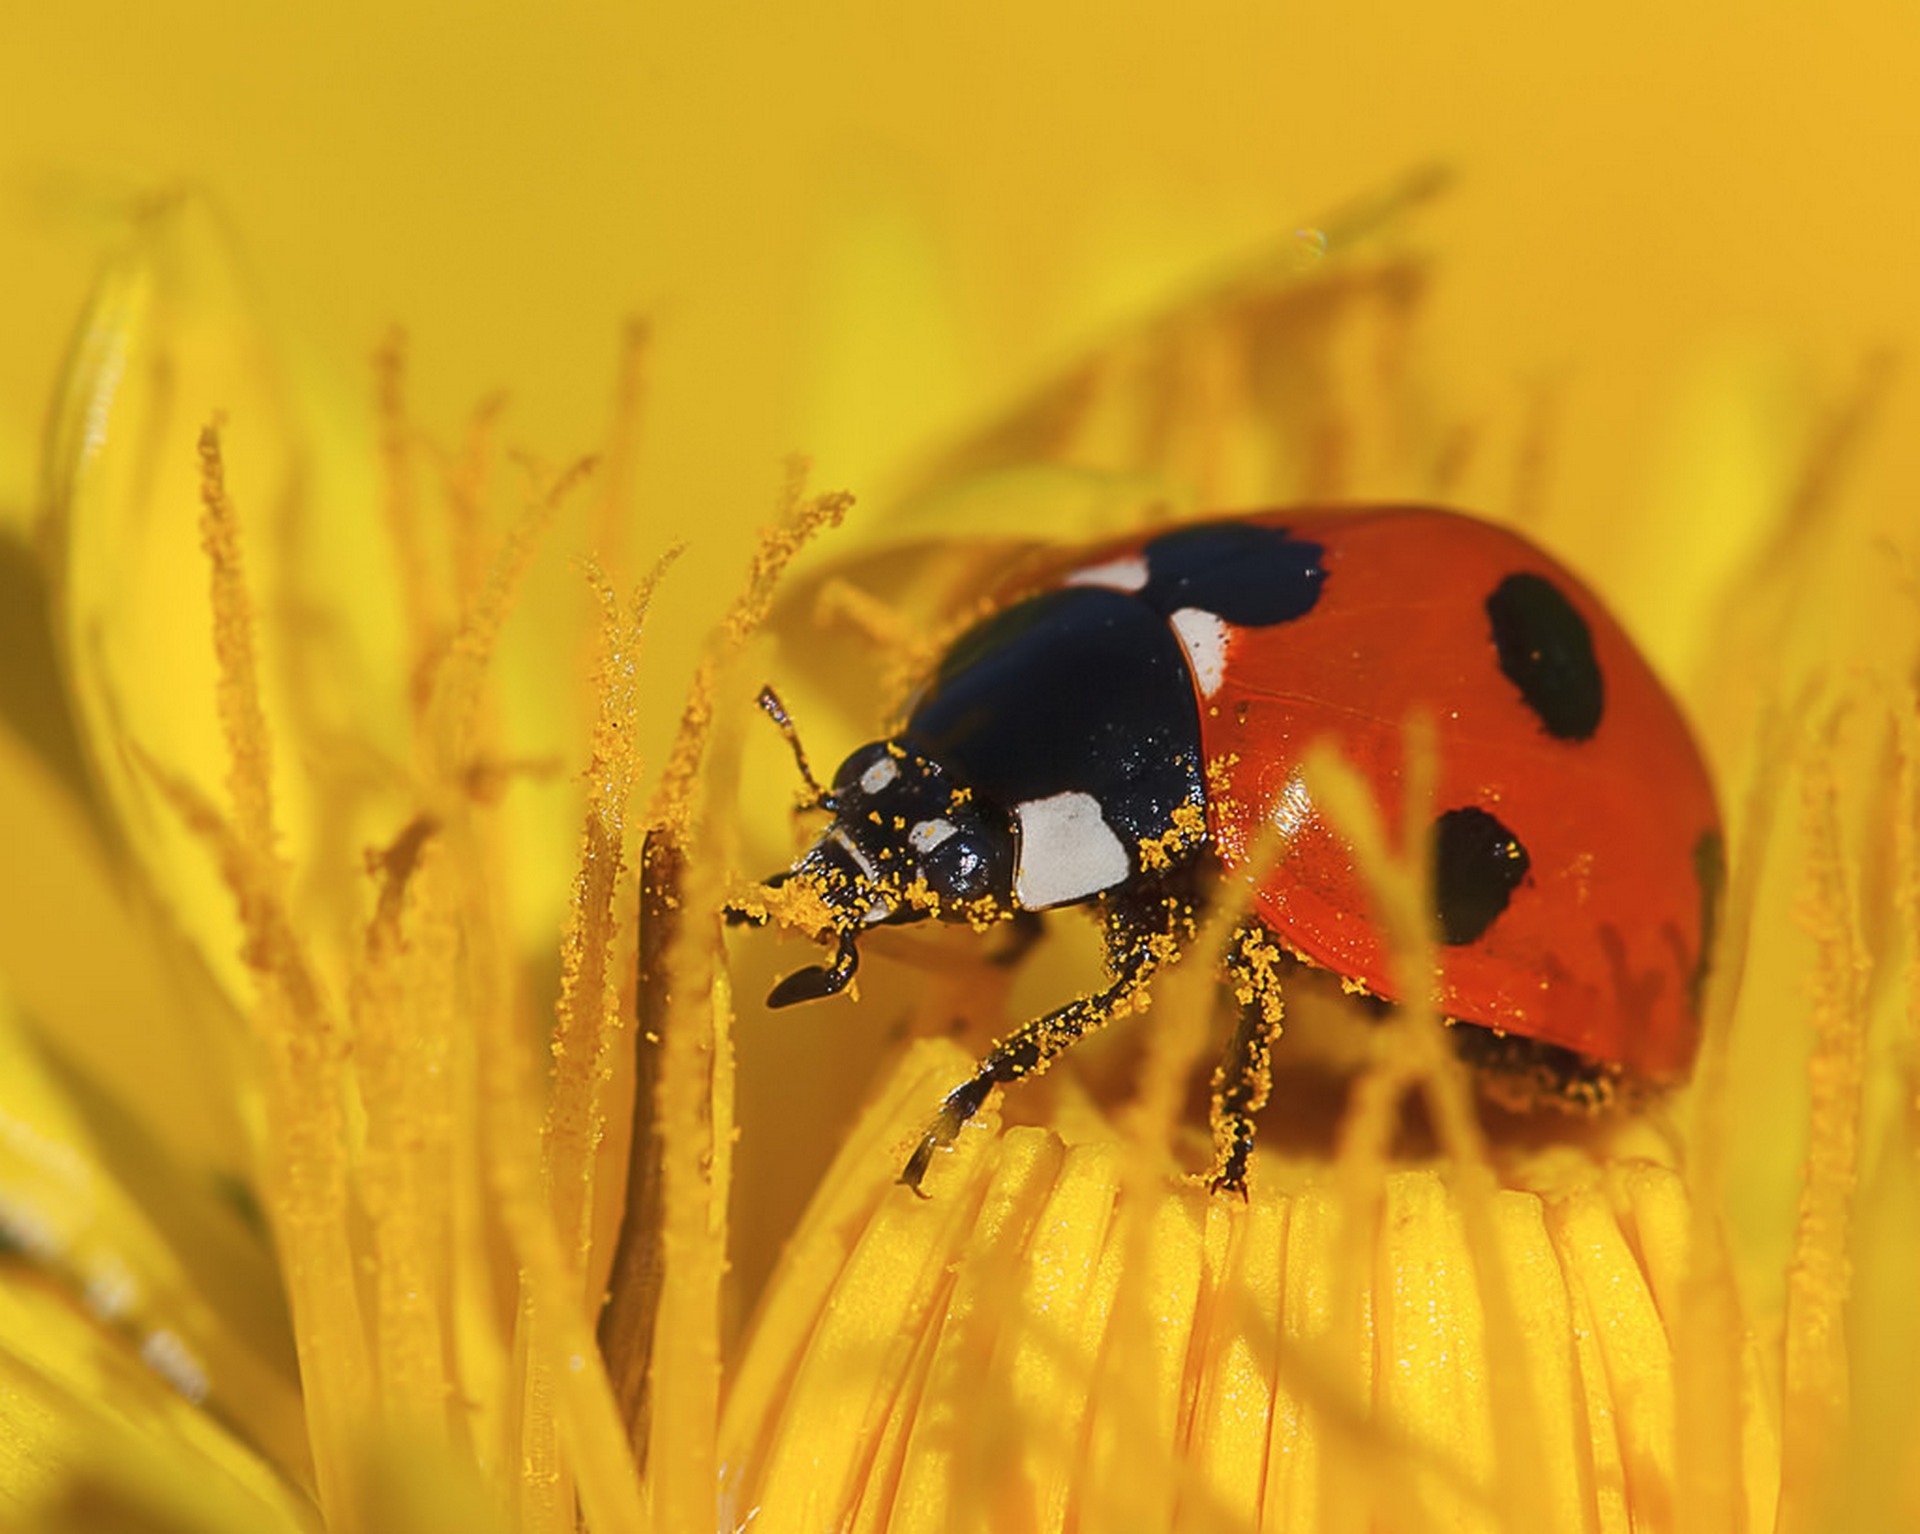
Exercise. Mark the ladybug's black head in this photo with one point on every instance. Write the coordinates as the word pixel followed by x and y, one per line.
pixel 907 842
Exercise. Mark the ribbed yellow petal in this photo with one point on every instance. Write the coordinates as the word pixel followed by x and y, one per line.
pixel 988 1358
pixel 137 1316
pixel 91 1438
pixel 163 1266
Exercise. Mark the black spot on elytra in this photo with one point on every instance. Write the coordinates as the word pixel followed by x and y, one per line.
pixel 1477 865
pixel 1547 652
pixel 1710 873
pixel 1249 575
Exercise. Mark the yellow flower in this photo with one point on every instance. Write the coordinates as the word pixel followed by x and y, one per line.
pixel 1515 1326
pixel 313 1165
pixel 295 868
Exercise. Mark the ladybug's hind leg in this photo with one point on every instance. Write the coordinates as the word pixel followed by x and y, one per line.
pixel 1144 931
pixel 1244 1077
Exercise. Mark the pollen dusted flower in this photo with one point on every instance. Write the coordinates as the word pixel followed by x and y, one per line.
pixel 303 1228
pixel 1422 1316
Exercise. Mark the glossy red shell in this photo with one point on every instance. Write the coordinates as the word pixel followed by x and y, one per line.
pixel 1600 948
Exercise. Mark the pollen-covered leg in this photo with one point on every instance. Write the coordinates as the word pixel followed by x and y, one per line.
pixel 1141 936
pixel 1244 1077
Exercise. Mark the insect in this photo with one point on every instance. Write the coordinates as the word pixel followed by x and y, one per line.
pixel 1120 733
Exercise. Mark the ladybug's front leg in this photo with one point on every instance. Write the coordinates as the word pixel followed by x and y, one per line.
pixel 1143 932
pixel 1244 1077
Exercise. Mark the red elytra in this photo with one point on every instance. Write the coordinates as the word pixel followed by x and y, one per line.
pixel 1604 954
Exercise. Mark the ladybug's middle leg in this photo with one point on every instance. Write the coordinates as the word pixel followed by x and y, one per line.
pixel 1244 1077
pixel 1143 933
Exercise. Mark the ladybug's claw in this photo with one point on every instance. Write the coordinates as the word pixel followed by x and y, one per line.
pixel 918 1162
pixel 1231 1179
pixel 818 980
pixel 960 1105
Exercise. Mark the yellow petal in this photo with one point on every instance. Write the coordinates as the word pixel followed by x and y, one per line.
pixel 162 1264
pixel 162 350
pixel 92 977
pixel 86 1426
pixel 1029 1348
pixel 168 345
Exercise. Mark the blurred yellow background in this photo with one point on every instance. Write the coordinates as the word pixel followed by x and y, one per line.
pixel 855 224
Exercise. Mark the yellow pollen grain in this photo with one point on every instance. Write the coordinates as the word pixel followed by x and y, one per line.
pixel 243 720
pixel 1189 829
pixel 589 1018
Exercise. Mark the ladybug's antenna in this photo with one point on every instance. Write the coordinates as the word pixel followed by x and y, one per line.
pixel 774 709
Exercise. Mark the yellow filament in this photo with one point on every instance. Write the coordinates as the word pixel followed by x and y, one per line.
pixel 306 1171
pixel 1819 1278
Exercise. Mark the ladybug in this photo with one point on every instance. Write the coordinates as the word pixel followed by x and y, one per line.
pixel 1120 732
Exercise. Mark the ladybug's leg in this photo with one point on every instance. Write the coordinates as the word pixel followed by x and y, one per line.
pixel 1244 1076
pixel 1142 934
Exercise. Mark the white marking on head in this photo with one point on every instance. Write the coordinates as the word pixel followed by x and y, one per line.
pixel 878 912
pixel 860 860
pixel 1293 811
pixel 929 834
pixel 879 775
pixel 1129 574
pixel 1203 635
pixel 1067 851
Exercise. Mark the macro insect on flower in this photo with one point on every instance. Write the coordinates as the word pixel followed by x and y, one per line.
pixel 1131 725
